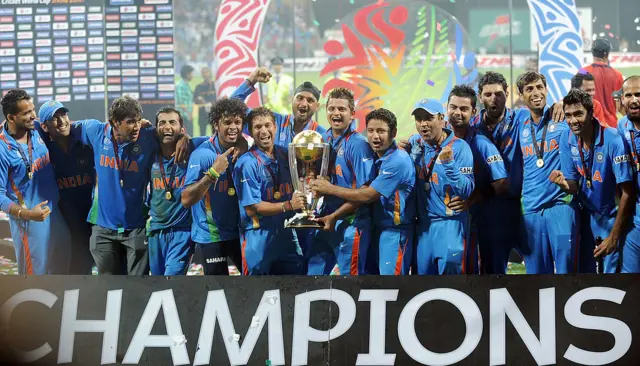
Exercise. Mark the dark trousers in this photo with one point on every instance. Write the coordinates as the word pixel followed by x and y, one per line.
pixel 80 230
pixel 214 256
pixel 120 253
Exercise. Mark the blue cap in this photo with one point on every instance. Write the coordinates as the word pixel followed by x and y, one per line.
pixel 429 105
pixel 48 109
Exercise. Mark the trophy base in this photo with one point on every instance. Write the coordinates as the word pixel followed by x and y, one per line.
pixel 302 222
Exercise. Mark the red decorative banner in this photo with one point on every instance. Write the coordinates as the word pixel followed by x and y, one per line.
pixel 237 38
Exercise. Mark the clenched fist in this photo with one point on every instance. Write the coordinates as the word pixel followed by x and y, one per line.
pixel 446 155
pixel 260 75
pixel 298 201
pixel 557 177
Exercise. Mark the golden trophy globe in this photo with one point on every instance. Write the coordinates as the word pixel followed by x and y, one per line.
pixel 308 159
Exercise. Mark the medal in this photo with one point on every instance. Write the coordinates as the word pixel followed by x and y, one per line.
pixel 231 192
pixel 168 196
pixel 121 183
pixel 30 175
pixel 277 195
pixel 539 150
pixel 638 167
pixel 589 184
pixel 427 186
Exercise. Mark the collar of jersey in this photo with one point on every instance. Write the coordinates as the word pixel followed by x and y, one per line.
pixel 266 159
pixel 628 125
pixel 346 131
pixel 392 148
pixel 450 136
pixel 599 138
pixel 481 119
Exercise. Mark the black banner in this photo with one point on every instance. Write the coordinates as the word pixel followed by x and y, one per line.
pixel 413 320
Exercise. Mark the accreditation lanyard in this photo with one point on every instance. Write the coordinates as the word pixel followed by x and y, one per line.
pixel 274 177
pixel 539 150
pixel 28 162
pixel 635 150
pixel 588 168
pixel 116 152
pixel 429 168
pixel 219 149
pixel 167 184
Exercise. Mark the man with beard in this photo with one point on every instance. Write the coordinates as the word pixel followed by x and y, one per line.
pixel 346 234
pixel 267 199
pixel 391 192
pixel 305 104
pixel 210 190
pixel 75 174
pixel 586 82
pixel 549 214
pixel 28 193
pixel 595 166
pixel 500 216
pixel 629 127
pixel 445 170
pixel 123 154
pixel 169 227
pixel 490 176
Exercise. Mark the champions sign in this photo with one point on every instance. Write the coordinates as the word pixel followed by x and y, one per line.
pixel 545 320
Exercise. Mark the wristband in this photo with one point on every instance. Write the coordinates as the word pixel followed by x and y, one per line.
pixel 214 173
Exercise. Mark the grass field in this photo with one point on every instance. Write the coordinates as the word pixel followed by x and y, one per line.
pixel 399 102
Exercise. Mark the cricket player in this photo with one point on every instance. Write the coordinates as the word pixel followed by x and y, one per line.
pixel 391 192
pixel 305 103
pixel 549 214
pixel 347 228
pixel 499 218
pixel 169 226
pixel 629 128
pixel 210 191
pixel 75 174
pixel 491 180
pixel 123 155
pixel 445 170
pixel 28 191
pixel 267 199
pixel 595 166
pixel 586 82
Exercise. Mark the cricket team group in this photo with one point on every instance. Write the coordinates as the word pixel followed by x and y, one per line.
pixel 132 196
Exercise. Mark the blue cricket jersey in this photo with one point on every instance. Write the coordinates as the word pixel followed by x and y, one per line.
pixel 607 162
pixel 395 181
pixel 15 185
pixel 216 216
pixel 505 137
pixel 74 171
pixel 488 162
pixel 631 138
pixel 115 207
pixel 448 180
pixel 538 192
pixel 168 212
pixel 351 166
pixel 284 123
pixel 258 178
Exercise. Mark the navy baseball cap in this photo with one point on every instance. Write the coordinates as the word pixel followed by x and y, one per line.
pixel 429 105
pixel 48 109
pixel 601 46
